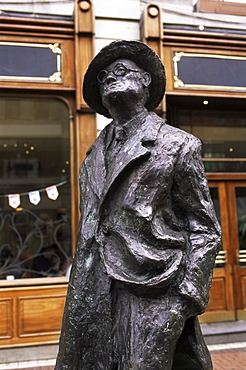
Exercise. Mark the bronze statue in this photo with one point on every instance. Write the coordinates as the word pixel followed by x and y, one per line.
pixel 148 234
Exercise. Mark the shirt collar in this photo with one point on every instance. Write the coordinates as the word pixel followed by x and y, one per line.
pixel 132 126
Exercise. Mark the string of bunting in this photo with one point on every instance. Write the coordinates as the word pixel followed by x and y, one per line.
pixel 34 196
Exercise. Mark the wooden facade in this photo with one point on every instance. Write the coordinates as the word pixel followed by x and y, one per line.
pixel 31 309
pixel 221 6
pixel 31 314
pixel 228 291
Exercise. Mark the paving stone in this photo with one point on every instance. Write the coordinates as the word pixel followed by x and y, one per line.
pixel 229 359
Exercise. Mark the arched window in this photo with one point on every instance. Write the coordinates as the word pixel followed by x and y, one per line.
pixel 35 193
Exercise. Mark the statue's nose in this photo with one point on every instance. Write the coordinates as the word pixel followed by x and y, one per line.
pixel 110 78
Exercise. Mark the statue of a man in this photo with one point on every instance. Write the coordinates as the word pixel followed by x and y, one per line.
pixel 148 234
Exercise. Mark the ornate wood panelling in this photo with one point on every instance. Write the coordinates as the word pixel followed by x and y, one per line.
pixel 221 6
pixel 244 289
pixel 6 322
pixel 31 315
pixel 32 312
pixel 26 31
pixel 84 30
pixel 218 297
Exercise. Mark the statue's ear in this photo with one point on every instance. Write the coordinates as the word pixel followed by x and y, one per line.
pixel 146 79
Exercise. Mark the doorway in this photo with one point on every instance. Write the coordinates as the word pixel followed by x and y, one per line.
pixel 220 124
pixel 228 291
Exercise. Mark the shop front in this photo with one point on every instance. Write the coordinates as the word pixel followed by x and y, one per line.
pixel 206 92
pixel 45 129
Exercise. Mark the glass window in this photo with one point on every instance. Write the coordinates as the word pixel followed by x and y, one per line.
pixel 209 71
pixel 35 209
pixel 241 217
pixel 215 199
pixel 221 126
pixel 223 136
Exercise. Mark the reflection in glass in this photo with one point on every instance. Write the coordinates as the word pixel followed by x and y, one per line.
pixel 241 217
pixel 35 239
pixel 20 61
pixel 223 136
pixel 33 246
pixel 221 257
pixel 215 198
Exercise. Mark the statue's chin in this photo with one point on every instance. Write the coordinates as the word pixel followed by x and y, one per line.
pixel 114 97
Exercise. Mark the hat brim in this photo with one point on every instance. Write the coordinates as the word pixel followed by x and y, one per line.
pixel 140 53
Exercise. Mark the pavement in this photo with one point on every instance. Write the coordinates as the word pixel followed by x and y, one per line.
pixel 228 356
pixel 38 368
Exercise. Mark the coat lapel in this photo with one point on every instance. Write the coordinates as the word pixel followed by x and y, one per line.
pixel 133 149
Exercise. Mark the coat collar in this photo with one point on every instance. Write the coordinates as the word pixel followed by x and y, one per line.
pixel 135 147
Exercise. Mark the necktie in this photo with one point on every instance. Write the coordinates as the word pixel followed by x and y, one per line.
pixel 115 144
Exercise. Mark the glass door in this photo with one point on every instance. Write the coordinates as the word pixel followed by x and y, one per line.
pixel 228 291
pixel 221 305
pixel 237 210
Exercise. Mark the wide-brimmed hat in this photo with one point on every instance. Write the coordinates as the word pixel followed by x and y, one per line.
pixel 140 53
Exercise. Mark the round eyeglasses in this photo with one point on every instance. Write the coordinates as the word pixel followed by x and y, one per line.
pixel 118 70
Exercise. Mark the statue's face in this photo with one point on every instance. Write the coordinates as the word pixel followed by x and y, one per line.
pixel 121 77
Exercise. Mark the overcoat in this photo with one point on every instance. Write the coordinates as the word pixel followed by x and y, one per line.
pixel 148 233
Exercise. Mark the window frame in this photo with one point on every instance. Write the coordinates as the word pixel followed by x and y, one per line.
pixel 223 7
pixel 69 102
